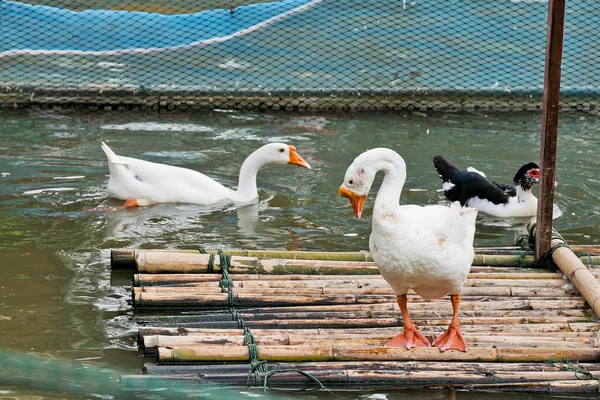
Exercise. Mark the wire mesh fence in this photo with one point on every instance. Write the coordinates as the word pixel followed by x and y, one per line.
pixel 293 54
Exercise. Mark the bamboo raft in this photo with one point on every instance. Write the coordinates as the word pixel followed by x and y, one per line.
pixel 296 318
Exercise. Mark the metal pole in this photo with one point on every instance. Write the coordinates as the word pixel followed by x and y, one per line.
pixel 554 43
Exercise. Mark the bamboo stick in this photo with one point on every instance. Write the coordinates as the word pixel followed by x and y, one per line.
pixel 323 315
pixel 433 327
pixel 367 353
pixel 371 366
pixel 215 300
pixel 125 258
pixel 210 279
pixel 560 322
pixel 351 302
pixel 567 386
pixel 339 284
pixel 385 292
pixel 146 299
pixel 576 272
pixel 522 377
pixel 586 333
pixel 150 343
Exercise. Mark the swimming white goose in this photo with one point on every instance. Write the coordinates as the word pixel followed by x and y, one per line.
pixel 143 183
pixel 471 188
pixel 427 249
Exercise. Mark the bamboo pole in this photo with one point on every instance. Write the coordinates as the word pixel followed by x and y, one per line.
pixel 210 279
pixel 373 292
pixel 429 378
pixel 560 322
pixel 433 327
pixel 368 353
pixel 536 377
pixel 125 258
pixel 339 284
pixel 348 302
pixel 586 332
pixel 523 315
pixel 150 343
pixel 246 300
pixel 370 366
pixel 576 272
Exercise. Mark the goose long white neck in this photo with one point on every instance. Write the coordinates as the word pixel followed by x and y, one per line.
pixel 394 168
pixel 247 190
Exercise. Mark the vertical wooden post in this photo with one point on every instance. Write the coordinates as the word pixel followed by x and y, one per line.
pixel 554 43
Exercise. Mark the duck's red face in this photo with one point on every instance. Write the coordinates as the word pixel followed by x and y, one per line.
pixel 534 174
pixel 356 201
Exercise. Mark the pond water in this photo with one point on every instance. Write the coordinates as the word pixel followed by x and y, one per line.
pixel 56 296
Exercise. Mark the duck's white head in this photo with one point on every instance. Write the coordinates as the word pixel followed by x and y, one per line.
pixel 361 174
pixel 359 178
pixel 281 153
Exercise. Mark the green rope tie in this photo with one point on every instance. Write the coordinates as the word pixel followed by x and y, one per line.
pixel 546 258
pixel 226 283
pixel 235 316
pixel 520 241
pixel 522 263
pixel 306 374
pixel 580 373
pixel 256 366
pixel 210 268
pixel 248 337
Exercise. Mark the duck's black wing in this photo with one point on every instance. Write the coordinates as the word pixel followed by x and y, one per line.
pixel 445 168
pixel 508 189
pixel 470 184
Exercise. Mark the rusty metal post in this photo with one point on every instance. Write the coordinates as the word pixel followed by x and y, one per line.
pixel 554 44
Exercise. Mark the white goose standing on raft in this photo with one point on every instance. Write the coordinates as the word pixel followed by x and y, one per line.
pixel 428 249
pixel 143 183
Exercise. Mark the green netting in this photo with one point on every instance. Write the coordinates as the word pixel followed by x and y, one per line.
pixel 295 54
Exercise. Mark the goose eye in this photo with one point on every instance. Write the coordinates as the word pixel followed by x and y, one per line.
pixel 351 182
pixel 281 150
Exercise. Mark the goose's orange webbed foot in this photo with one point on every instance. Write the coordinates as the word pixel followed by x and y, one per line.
pixel 409 338
pixel 452 339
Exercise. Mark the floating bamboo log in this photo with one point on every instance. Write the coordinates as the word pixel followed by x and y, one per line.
pixel 500 376
pixel 369 353
pixel 576 272
pixel 525 323
pixel 405 366
pixel 126 258
pixel 152 342
pixel 186 279
pixel 242 300
pixel 185 295
pixel 372 282
pixel 523 316
pixel 566 332
pixel 538 381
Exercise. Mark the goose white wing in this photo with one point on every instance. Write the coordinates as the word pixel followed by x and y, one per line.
pixel 158 183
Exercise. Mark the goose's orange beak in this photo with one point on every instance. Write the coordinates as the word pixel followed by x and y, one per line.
pixel 295 158
pixel 356 201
